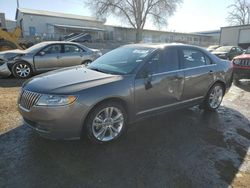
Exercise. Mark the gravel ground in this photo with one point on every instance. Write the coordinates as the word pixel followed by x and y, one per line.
pixel 186 148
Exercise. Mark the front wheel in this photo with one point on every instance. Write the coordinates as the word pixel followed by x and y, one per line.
pixel 106 122
pixel 21 70
pixel 214 97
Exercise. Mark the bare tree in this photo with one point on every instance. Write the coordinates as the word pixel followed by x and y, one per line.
pixel 136 12
pixel 239 13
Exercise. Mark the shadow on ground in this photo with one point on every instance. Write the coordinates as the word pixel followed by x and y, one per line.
pixel 11 82
pixel 187 148
pixel 244 85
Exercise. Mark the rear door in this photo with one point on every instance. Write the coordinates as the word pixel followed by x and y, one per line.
pixel 198 71
pixel 48 58
pixel 72 55
pixel 159 84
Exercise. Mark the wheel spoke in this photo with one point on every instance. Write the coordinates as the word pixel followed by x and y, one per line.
pixel 102 135
pixel 101 131
pixel 114 129
pixel 112 133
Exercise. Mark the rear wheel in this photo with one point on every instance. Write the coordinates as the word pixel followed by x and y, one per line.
pixel 214 97
pixel 21 70
pixel 106 122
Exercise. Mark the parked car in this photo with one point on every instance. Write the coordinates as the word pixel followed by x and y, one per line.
pixel 241 65
pixel 213 47
pixel 45 56
pixel 121 87
pixel 227 52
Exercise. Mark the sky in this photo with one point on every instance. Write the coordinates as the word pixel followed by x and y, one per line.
pixel 190 16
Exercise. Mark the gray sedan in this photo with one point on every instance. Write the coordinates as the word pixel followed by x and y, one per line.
pixel 121 87
pixel 45 56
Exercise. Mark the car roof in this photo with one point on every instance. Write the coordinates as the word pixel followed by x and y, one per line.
pixel 59 42
pixel 229 46
pixel 159 45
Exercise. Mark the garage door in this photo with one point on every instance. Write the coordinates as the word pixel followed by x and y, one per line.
pixel 244 36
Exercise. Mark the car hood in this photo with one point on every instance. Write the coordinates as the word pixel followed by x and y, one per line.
pixel 11 53
pixel 243 56
pixel 68 80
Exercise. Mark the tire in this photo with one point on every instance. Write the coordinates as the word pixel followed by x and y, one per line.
pixel 214 97
pixel 100 126
pixel 21 70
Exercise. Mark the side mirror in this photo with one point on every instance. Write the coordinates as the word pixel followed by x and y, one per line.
pixel 147 79
pixel 42 53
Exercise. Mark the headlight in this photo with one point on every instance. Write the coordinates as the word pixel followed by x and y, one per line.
pixel 236 61
pixel 55 100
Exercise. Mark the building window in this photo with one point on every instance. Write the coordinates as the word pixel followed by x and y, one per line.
pixel 32 31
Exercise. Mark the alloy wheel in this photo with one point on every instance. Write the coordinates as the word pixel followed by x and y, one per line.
pixel 22 70
pixel 215 97
pixel 107 124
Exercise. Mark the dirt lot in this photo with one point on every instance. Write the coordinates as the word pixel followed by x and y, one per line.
pixel 187 148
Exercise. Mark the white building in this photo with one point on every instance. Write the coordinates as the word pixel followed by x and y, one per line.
pixel 48 25
pixel 53 25
pixel 236 36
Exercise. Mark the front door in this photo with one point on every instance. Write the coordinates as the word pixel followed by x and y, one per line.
pixel 159 84
pixel 48 58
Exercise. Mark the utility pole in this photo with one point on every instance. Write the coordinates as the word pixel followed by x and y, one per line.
pixel 17 3
pixel 248 10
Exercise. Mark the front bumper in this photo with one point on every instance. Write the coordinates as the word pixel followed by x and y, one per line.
pixel 4 70
pixel 242 72
pixel 62 122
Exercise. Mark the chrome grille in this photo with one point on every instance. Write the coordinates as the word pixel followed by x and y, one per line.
pixel 244 62
pixel 28 99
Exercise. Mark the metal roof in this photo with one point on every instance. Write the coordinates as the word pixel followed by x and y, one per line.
pixel 58 14
pixel 78 27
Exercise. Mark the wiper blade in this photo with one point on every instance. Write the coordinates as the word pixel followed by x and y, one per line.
pixel 98 70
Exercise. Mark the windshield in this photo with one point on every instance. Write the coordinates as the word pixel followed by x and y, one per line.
pixel 247 51
pixel 35 47
pixel 224 49
pixel 121 60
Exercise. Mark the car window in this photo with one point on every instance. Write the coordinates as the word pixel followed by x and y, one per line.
pixel 71 49
pixel 170 61
pixel 52 49
pixel 192 58
pixel 233 49
pixel 150 67
pixel 239 50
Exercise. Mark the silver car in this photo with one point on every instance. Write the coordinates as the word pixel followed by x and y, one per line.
pixel 121 87
pixel 45 56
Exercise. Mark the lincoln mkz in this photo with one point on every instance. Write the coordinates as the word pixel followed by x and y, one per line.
pixel 125 85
